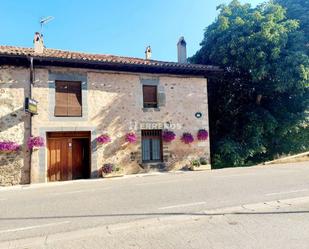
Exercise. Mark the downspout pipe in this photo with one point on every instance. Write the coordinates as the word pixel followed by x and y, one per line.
pixel 31 81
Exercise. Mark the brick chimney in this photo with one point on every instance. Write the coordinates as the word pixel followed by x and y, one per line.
pixel 148 53
pixel 182 50
pixel 38 43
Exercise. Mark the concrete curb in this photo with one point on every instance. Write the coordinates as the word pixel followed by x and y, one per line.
pixel 53 184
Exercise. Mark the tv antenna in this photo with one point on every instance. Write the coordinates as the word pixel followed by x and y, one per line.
pixel 45 20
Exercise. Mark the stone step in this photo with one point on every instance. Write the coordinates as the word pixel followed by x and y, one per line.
pixel 153 167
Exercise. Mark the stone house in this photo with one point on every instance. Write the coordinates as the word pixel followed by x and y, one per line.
pixel 81 97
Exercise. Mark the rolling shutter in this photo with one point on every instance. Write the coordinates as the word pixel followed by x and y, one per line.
pixel 150 96
pixel 68 99
pixel 74 99
pixel 61 99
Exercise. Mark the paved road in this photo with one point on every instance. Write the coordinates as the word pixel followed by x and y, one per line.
pixel 257 207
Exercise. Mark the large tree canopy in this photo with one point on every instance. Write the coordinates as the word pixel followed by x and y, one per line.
pixel 263 97
pixel 299 10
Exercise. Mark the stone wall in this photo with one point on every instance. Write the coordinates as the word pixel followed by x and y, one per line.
pixel 115 106
pixel 14 124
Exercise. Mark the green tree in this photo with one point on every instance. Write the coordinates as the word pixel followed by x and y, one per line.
pixel 263 96
pixel 295 139
pixel 299 10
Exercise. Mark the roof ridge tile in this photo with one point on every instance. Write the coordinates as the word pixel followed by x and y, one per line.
pixel 94 57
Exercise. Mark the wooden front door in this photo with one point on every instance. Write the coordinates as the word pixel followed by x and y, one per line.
pixel 80 153
pixel 58 168
pixel 68 156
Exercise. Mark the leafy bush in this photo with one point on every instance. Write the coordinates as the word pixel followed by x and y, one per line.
pixel 195 163
pixel 203 161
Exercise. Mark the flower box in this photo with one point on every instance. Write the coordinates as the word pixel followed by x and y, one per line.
pixel 110 170
pixel 112 174
pixel 8 147
pixel 7 151
pixel 200 168
pixel 200 164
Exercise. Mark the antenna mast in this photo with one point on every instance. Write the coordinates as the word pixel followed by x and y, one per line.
pixel 45 20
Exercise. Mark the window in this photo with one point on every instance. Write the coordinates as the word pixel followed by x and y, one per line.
pixel 150 96
pixel 68 102
pixel 151 145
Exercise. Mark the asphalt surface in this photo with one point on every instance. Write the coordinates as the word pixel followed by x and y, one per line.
pixel 256 207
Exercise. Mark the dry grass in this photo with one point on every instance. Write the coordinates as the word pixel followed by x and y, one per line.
pixel 291 159
pixel 294 160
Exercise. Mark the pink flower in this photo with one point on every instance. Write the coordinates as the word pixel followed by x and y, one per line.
pixel 108 168
pixel 187 138
pixel 131 137
pixel 202 134
pixel 104 139
pixel 9 146
pixel 168 136
pixel 35 142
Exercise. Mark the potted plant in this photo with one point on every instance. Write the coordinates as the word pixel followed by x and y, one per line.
pixel 110 170
pixel 131 137
pixel 187 138
pixel 199 164
pixel 168 136
pixel 202 135
pixel 104 139
pixel 9 147
pixel 35 142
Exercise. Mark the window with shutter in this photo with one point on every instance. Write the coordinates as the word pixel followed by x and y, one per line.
pixel 68 99
pixel 151 145
pixel 61 109
pixel 74 99
pixel 150 96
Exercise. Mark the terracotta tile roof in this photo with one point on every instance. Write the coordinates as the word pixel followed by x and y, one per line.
pixel 70 56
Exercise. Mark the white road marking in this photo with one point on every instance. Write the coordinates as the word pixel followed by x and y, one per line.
pixel 78 191
pixel 184 205
pixel 245 174
pixel 71 192
pixel 288 192
pixel 33 227
pixel 162 182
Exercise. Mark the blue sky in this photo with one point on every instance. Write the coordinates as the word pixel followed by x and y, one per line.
pixel 119 27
